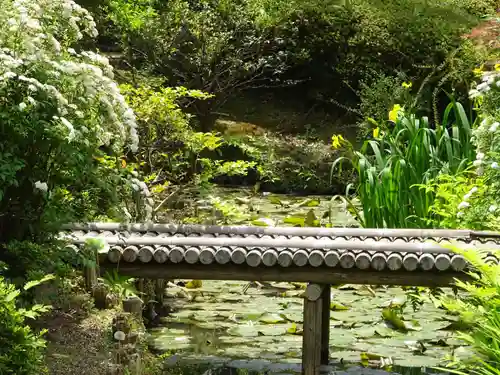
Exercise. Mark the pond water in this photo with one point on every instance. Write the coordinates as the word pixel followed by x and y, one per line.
pixel 224 330
pixel 243 206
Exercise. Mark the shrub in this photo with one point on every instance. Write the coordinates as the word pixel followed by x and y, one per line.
pixel 405 154
pixel 171 151
pixel 479 207
pixel 289 164
pixel 479 309
pixel 21 350
pixel 224 47
pixel 64 123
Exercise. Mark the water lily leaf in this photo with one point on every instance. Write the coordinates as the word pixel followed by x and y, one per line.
pixel 295 329
pixel 233 297
pixel 334 306
pixel 234 340
pixel 241 200
pixel 417 347
pixel 365 332
pixel 204 316
pixel 272 318
pixel 263 222
pixel 243 331
pixel 275 200
pixel 393 318
pixel 311 219
pixel 459 325
pixel 371 356
pixel 382 330
pixel 345 356
pixel 272 330
pixel 194 284
pixel 295 220
pixel 309 202
pixel 395 302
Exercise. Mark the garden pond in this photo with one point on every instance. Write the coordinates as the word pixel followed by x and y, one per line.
pixel 224 328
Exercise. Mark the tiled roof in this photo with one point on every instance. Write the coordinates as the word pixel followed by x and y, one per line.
pixel 388 249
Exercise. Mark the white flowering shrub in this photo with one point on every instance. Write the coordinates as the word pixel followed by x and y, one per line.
pixel 63 123
pixel 480 207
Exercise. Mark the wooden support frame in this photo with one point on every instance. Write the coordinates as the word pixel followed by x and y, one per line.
pixel 315 339
pixel 325 324
pixel 319 275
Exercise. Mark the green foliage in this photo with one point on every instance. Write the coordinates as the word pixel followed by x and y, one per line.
pixel 336 50
pixel 289 164
pixel 171 150
pixel 122 286
pixel 21 349
pixel 406 154
pixel 479 307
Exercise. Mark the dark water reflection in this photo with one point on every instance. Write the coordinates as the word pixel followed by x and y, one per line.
pixel 220 366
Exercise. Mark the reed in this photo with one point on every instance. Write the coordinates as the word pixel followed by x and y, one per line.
pixel 392 167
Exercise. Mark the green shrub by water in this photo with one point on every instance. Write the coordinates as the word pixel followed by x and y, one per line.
pixel 479 309
pixel 404 155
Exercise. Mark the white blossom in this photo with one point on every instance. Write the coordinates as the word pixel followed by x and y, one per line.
pixel 477 162
pixel 494 127
pixel 492 208
pixel 463 205
pixel 45 31
pixel 22 106
pixel 119 335
pixel 42 186
pixel 70 127
pixel 494 165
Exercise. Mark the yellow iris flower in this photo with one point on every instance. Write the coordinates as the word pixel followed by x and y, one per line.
pixel 497 67
pixel 407 85
pixel 376 132
pixel 337 141
pixel 478 71
pixel 393 114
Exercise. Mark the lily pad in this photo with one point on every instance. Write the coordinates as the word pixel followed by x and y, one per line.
pixel 263 222
pixel 392 317
pixel 272 318
pixel 334 306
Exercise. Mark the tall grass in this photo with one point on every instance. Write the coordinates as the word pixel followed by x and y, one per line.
pixel 393 168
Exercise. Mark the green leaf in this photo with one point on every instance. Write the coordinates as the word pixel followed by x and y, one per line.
pixel 392 318
pixel 12 295
pixel 275 200
pixel 271 319
pixel 311 220
pixel 295 220
pixel 309 202
pixel 33 283
pixel 338 307
pixel 263 222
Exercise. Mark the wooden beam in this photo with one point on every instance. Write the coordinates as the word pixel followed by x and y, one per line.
pixel 311 339
pixel 319 275
pixel 325 325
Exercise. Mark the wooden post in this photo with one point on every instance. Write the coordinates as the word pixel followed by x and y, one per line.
pixel 313 327
pixel 133 305
pixel 160 291
pixel 90 274
pixel 325 325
